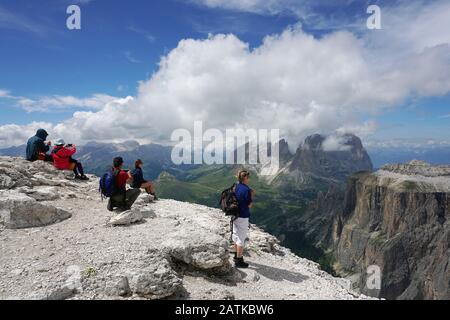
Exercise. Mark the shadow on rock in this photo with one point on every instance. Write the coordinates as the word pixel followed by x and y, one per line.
pixel 277 274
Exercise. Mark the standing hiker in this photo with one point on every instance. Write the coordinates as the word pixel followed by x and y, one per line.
pixel 244 197
pixel 37 147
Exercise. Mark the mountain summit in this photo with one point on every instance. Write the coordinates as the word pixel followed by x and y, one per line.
pixel 58 242
pixel 332 157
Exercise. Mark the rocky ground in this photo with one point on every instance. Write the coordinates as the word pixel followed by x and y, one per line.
pixel 58 241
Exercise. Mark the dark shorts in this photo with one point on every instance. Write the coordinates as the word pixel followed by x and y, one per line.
pixel 138 185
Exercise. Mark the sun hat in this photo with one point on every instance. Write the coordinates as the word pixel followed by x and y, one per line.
pixel 59 142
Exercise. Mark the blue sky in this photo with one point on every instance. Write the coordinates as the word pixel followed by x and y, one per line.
pixel 121 44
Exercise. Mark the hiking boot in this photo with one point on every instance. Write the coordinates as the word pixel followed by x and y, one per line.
pixel 77 177
pixel 155 198
pixel 110 205
pixel 240 264
pixel 84 178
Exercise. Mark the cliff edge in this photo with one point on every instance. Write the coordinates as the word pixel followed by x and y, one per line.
pixel 59 242
pixel 398 219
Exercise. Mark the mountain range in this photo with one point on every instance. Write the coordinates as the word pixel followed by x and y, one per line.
pixel 306 204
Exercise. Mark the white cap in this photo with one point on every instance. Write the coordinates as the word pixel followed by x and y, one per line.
pixel 59 142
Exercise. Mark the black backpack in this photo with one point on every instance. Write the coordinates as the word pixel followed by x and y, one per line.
pixel 229 203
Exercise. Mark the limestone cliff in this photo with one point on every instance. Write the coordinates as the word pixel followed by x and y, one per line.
pixel 398 219
pixel 58 241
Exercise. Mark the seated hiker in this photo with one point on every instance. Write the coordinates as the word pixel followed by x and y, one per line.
pixel 62 159
pixel 37 148
pixel 122 198
pixel 244 196
pixel 139 181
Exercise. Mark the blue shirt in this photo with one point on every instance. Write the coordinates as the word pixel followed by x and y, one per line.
pixel 244 198
pixel 138 178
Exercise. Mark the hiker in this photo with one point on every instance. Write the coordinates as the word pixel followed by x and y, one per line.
pixel 139 181
pixel 37 148
pixel 122 198
pixel 244 196
pixel 62 159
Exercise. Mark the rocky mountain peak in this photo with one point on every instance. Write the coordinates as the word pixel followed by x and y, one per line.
pixel 331 157
pixel 59 242
pixel 313 142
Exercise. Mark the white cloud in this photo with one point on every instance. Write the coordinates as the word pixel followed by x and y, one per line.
pixel 293 81
pixel 4 93
pixel 267 7
pixel 129 56
pixel 408 144
pixel 147 35
pixel 335 143
pixel 15 135
pixel 16 21
pixel 57 102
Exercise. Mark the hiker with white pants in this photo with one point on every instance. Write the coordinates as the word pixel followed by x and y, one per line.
pixel 244 197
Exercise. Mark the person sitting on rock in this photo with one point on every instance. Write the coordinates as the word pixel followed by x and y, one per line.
pixel 37 148
pixel 123 198
pixel 62 159
pixel 139 181
pixel 244 196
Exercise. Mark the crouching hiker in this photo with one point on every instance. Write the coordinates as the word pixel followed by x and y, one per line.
pixel 62 159
pixel 244 196
pixel 37 147
pixel 113 185
pixel 139 181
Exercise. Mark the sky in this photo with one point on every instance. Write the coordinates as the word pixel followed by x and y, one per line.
pixel 140 69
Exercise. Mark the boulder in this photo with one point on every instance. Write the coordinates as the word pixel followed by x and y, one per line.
pixel 117 286
pixel 197 247
pixel 144 199
pixel 18 210
pixel 43 193
pixel 154 280
pixel 126 218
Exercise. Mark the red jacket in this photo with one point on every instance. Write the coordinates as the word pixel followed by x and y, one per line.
pixel 61 156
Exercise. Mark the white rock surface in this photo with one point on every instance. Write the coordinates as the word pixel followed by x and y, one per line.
pixel 18 210
pixel 179 250
pixel 127 217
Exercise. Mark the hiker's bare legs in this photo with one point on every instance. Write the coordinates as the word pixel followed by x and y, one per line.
pixel 239 251
pixel 148 186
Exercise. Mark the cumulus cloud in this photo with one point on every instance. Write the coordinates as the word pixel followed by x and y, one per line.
pixel 15 135
pixel 335 143
pixel 293 82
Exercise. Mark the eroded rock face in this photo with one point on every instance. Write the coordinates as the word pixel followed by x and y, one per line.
pixel 401 224
pixel 199 248
pixel 315 159
pixel 25 189
pixel 18 210
pixel 416 167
